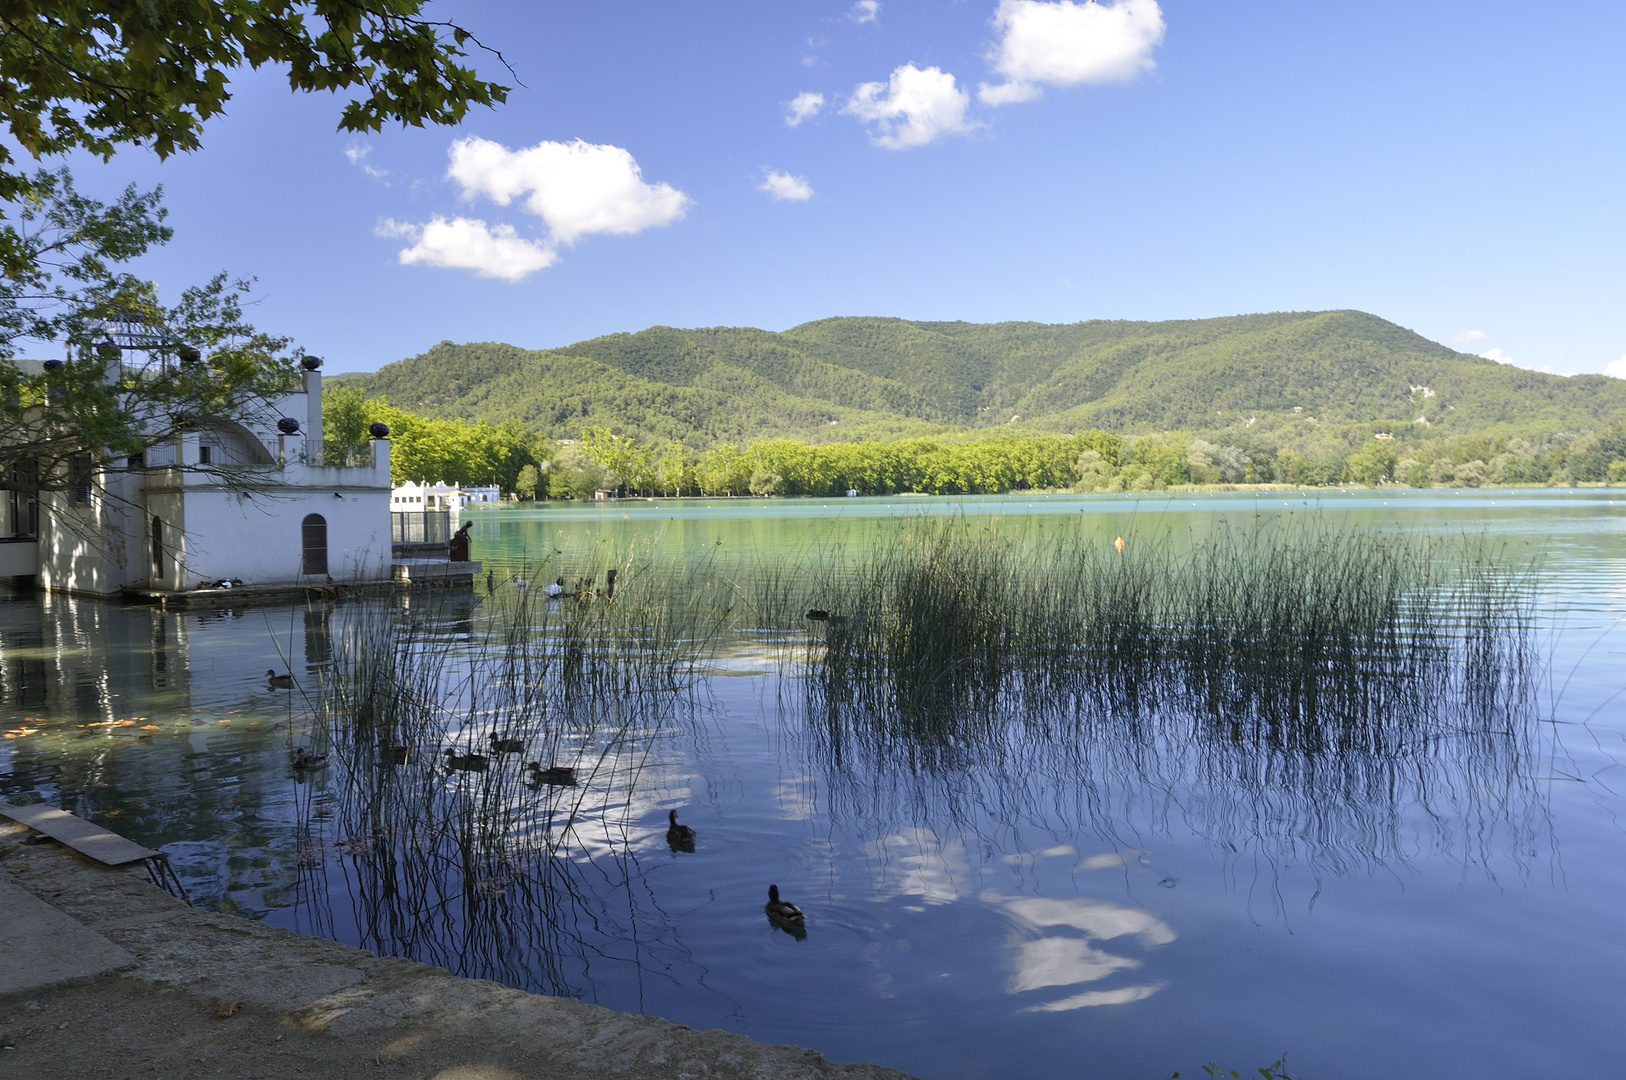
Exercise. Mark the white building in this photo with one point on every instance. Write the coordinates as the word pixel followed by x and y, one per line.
pixel 411 497
pixel 264 508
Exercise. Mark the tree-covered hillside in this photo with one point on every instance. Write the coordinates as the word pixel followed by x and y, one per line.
pixel 1301 377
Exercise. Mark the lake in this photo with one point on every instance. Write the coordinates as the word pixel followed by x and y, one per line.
pixel 1126 908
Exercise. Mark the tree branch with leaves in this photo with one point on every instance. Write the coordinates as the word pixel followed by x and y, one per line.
pixel 202 362
pixel 97 76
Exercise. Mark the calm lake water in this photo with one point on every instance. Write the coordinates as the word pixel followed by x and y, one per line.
pixel 1118 914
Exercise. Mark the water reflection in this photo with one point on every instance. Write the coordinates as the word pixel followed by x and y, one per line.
pixel 980 899
pixel 1454 783
pixel 436 833
pixel 159 732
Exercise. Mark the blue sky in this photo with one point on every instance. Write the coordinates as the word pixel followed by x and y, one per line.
pixel 1454 167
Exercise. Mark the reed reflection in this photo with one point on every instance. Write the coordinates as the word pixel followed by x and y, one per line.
pixel 485 782
pixel 1311 695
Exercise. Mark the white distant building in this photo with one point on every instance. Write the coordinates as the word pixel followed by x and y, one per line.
pixel 266 510
pixel 410 497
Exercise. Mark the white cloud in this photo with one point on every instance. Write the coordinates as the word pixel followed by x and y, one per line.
pixel 865 11
pixel 1062 961
pixel 914 108
pixel 1617 369
pixel 1098 997
pixel 358 157
pixel 1065 44
pixel 917 862
pixel 785 187
pixel 1101 919
pixel 804 106
pixel 1467 337
pixel 1546 369
pixel 578 188
pixel 470 244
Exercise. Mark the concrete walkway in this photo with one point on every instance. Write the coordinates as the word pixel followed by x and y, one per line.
pixel 103 975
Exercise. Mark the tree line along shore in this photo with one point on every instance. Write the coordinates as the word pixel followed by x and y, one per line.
pixel 537 467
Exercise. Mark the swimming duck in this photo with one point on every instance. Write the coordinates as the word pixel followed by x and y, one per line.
pixel 818 614
pixel 503 745
pixel 396 755
pixel 679 836
pixel 306 760
pixel 465 762
pixel 558 775
pixel 782 911
pixel 279 682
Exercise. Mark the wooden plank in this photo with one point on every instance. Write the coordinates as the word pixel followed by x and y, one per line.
pixel 87 839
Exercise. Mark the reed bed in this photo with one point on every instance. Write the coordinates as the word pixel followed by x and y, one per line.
pixel 1295 689
pixel 472 863
pixel 1306 635
pixel 1292 687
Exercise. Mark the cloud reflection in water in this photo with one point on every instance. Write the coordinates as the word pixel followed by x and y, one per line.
pixel 1064 960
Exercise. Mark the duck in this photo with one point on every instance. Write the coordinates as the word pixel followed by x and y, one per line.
pixel 679 836
pixel 470 762
pixel 279 682
pixel 395 755
pixel 303 759
pixel 558 775
pixel 502 745
pixel 782 911
pixel 818 614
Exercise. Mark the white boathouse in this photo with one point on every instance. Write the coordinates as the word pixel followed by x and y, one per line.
pixel 256 505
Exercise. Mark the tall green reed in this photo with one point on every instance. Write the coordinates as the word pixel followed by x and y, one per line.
pixel 473 867
pixel 1296 686
pixel 1302 631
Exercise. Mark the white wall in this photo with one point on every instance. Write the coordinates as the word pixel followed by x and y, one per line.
pixel 212 532
pixel 261 539
pixel 18 559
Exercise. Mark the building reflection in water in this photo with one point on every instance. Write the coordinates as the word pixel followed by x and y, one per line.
pixel 158 724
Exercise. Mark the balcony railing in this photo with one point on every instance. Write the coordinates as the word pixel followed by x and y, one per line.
pixel 420 526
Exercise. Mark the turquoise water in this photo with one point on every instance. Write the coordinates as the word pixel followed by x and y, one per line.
pixel 1122 913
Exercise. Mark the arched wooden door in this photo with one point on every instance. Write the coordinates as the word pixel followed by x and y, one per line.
pixel 313 533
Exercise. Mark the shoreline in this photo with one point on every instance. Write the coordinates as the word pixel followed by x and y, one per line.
pixel 103 974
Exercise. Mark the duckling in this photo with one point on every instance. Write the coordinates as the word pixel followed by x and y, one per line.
pixel 279 682
pixel 465 762
pixel 679 836
pixel 558 775
pixel 782 911
pixel 303 759
pixel 503 745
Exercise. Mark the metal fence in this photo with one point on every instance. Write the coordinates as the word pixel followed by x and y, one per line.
pixel 420 526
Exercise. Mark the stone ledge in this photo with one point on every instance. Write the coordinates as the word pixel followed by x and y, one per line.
pixel 304 1006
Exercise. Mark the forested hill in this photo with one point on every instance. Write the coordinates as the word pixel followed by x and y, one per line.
pixel 1296 374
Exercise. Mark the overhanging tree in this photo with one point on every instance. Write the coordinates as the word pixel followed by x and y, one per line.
pixel 193 364
pixel 97 76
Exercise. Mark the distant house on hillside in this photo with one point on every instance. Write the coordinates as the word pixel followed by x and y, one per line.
pixel 255 503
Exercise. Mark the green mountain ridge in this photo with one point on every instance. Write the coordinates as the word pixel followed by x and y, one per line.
pixel 1301 376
